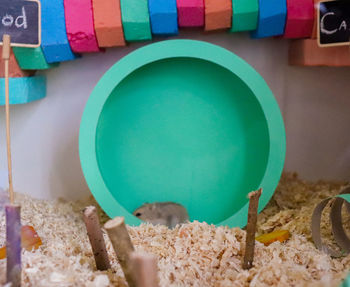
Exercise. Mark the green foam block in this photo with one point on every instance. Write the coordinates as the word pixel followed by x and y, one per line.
pixel 135 18
pixel 32 59
pixel 244 15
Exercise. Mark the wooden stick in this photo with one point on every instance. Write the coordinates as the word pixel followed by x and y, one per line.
pixel 144 269
pixel 251 228
pixel 122 245
pixel 13 245
pixel 96 238
pixel 6 50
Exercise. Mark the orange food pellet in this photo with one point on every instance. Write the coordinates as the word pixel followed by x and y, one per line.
pixel 268 238
pixel 30 240
pixel 2 252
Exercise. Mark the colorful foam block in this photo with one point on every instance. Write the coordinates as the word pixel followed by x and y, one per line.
pixel 300 19
pixel 108 23
pixel 271 19
pixel 306 52
pixel 80 26
pixel 135 18
pixel 244 15
pixel 163 16
pixel 190 13
pixel 14 69
pixel 54 41
pixel 32 58
pixel 314 29
pixel 23 90
pixel 218 14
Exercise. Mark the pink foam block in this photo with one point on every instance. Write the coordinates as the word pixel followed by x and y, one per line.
pixel 80 26
pixel 300 19
pixel 190 13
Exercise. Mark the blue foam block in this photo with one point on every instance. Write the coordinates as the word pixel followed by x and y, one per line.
pixel 54 41
pixel 272 18
pixel 23 90
pixel 163 15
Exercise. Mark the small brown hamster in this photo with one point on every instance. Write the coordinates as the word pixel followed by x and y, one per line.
pixel 165 213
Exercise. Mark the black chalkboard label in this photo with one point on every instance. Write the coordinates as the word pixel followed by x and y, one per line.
pixel 334 23
pixel 21 20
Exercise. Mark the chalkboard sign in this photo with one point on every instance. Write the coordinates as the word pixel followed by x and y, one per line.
pixel 21 20
pixel 334 23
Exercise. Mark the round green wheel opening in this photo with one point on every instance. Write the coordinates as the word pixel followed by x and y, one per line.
pixel 182 121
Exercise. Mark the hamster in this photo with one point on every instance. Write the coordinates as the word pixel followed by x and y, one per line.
pixel 165 213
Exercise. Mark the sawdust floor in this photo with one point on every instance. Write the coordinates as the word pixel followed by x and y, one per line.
pixel 194 254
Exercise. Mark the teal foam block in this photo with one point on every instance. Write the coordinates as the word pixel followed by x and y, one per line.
pixel 32 59
pixel 163 15
pixel 23 90
pixel 135 18
pixel 244 15
pixel 54 41
pixel 271 19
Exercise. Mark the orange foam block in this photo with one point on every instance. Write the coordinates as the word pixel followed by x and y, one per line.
pixel 80 26
pixel 307 53
pixel 14 70
pixel 108 23
pixel 300 19
pixel 218 14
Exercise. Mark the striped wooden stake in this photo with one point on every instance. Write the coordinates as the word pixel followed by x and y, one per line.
pixel 144 269
pixel 96 238
pixel 251 228
pixel 122 245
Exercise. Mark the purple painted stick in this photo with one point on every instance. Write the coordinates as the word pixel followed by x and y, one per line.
pixel 13 245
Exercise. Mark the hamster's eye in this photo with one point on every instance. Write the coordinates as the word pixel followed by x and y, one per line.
pixel 138 214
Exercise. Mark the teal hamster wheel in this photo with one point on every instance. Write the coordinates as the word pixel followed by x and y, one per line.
pixel 183 121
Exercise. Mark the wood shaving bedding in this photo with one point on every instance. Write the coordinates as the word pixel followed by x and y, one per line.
pixel 194 254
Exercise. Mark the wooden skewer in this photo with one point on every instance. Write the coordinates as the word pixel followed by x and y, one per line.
pixel 144 269
pixel 251 228
pixel 13 245
pixel 122 245
pixel 96 238
pixel 6 49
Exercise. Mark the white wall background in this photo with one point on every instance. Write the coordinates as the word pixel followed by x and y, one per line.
pixel 315 103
